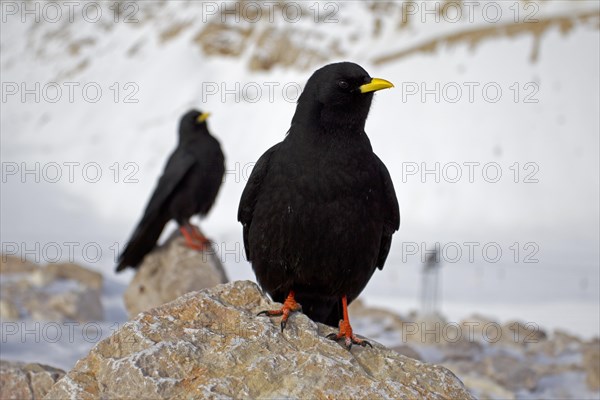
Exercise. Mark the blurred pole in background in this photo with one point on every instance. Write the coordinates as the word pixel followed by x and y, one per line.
pixel 430 283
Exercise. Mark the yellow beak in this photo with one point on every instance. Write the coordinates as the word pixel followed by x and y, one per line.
pixel 376 84
pixel 203 117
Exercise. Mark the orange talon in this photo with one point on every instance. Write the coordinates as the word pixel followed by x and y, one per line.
pixel 289 305
pixel 196 234
pixel 346 330
pixel 193 238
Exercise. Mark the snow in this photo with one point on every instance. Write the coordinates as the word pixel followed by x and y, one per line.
pixel 554 221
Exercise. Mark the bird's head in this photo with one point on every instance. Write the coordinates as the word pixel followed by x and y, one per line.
pixel 193 123
pixel 338 95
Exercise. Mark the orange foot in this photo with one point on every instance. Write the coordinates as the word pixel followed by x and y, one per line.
pixel 194 239
pixel 346 330
pixel 289 306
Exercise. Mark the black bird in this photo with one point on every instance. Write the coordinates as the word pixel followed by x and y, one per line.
pixel 188 186
pixel 319 209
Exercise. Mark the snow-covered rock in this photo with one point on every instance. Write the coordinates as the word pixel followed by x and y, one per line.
pixel 212 344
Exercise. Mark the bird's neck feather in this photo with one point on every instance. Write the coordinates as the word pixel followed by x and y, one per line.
pixel 316 119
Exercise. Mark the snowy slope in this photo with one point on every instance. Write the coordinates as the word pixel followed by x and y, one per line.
pixel 553 221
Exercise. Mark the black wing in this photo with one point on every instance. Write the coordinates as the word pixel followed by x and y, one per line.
pixel 392 214
pixel 177 167
pixel 251 192
pixel 157 214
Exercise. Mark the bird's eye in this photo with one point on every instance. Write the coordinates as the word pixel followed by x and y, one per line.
pixel 343 84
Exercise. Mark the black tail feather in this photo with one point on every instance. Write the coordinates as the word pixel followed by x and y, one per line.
pixel 142 242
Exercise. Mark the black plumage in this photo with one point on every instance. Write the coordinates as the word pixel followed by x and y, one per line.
pixel 319 209
pixel 188 186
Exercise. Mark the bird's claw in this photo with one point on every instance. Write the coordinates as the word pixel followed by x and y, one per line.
pixel 349 340
pixel 270 313
pixel 194 239
pixel 289 306
pixel 348 336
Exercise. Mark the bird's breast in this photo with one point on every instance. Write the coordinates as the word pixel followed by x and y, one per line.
pixel 318 186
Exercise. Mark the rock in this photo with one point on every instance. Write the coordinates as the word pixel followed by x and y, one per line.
pixel 523 333
pixel 510 372
pixel 485 388
pixel 211 344
pixel 86 277
pixel 276 47
pixel 465 367
pixel 170 271
pixel 74 304
pixel 559 343
pixel 20 380
pixel 480 328
pixel 415 328
pixel 591 364
pixel 427 329
pixel 408 351
pixel 223 39
pixel 267 46
pixel 379 324
pixel 40 278
pixel 15 265
pixel 462 350
pixel 8 311
pixel 379 316
pixel 78 305
pixel 60 292
pixel 37 307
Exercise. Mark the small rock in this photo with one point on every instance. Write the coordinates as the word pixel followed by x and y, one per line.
pixel 485 388
pixel 40 278
pixel 37 308
pixel 387 319
pixel 408 351
pixel 556 345
pixel 510 372
pixel 477 326
pixel 591 364
pixel 8 311
pixel 86 277
pixel 14 265
pixel 426 329
pixel 462 350
pixel 380 324
pixel 77 305
pixel 57 292
pixel 211 344
pixel 521 333
pixel 20 380
pixel 170 271
pixel 465 367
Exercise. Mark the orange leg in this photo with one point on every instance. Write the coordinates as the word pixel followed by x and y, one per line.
pixel 193 238
pixel 196 234
pixel 289 306
pixel 346 330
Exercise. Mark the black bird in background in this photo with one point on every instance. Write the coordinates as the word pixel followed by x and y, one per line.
pixel 188 186
pixel 319 209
